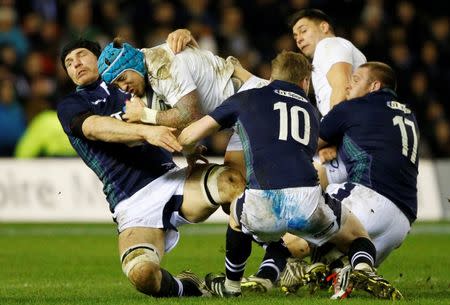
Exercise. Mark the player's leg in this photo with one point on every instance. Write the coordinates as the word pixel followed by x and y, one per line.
pixel 238 249
pixel 141 251
pixel 208 187
pixel 385 223
pixel 146 223
pixel 234 155
pixel 298 247
pixel 353 239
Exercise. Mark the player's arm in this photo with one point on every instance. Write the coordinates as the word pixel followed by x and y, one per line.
pixel 332 130
pixel 185 111
pixel 179 39
pixel 107 129
pixel 339 77
pixel 196 132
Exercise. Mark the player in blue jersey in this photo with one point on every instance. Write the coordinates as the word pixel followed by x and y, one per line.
pixel 379 148
pixel 279 130
pixel 148 195
pixel 378 141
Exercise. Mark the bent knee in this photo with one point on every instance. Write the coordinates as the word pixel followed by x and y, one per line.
pixel 231 184
pixel 140 263
pixel 146 277
pixel 298 247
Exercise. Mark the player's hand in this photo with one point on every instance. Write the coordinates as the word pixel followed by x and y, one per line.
pixel 162 136
pixel 193 156
pixel 133 110
pixel 179 39
pixel 327 154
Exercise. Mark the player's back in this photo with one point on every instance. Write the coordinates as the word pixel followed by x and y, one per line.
pixel 172 76
pixel 279 132
pixel 380 147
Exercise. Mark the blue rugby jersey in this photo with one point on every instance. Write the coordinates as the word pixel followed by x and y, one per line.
pixel 378 140
pixel 279 130
pixel 123 170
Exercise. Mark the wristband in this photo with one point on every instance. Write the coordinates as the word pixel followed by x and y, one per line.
pixel 149 115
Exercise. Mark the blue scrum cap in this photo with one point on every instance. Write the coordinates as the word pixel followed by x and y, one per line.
pixel 117 58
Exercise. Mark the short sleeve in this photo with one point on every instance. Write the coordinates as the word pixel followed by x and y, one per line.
pixel 331 51
pixel 227 113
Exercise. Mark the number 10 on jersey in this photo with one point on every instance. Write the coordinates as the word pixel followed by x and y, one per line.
pixel 293 121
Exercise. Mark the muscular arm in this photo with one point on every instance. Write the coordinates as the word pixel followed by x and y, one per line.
pixel 107 129
pixel 339 77
pixel 185 111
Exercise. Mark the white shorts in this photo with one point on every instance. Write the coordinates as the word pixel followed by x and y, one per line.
pixel 335 169
pixel 253 82
pixel 302 211
pixel 155 206
pixel 386 224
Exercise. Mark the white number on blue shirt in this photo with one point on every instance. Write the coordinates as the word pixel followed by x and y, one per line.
pixel 402 122
pixel 284 122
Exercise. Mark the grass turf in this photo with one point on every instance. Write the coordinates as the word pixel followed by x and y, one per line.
pixel 79 264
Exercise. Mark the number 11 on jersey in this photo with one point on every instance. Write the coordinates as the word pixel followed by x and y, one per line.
pixel 402 123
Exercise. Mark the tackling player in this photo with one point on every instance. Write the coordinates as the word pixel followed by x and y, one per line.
pixel 379 149
pixel 282 193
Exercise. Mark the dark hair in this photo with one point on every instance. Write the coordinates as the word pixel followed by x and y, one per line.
pixel 310 13
pixel 92 46
pixel 381 72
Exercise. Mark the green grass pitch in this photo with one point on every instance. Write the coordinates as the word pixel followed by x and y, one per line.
pixel 79 264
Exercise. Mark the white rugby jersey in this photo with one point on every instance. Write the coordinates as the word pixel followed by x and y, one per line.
pixel 173 76
pixel 329 51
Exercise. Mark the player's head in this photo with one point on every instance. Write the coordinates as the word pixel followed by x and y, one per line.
pixel 292 67
pixel 310 26
pixel 79 59
pixel 370 77
pixel 124 66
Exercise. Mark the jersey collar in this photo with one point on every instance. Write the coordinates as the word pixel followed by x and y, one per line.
pixel 90 86
pixel 288 86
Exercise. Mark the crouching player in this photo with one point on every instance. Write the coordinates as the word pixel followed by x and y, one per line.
pixel 279 130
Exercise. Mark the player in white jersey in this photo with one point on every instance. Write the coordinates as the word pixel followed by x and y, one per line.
pixel 191 83
pixel 334 59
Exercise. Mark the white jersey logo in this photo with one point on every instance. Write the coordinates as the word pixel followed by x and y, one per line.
pixel 291 95
pixel 398 106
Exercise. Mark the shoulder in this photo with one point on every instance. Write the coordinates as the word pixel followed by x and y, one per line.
pixel 331 47
pixel 158 61
pixel 70 98
pixel 347 106
pixel 329 43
